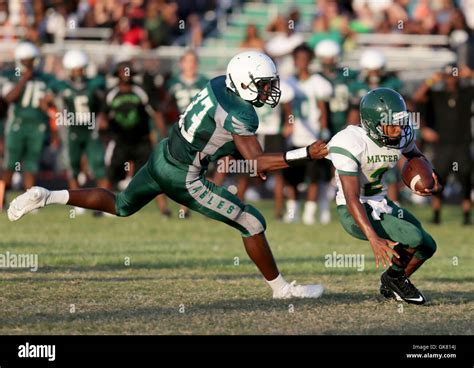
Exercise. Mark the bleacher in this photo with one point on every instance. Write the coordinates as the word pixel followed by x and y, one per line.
pixel 425 53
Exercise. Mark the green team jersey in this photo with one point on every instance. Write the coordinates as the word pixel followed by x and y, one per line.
pixel 26 107
pixel 183 92
pixel 339 102
pixel 360 87
pixel 204 132
pixel 81 99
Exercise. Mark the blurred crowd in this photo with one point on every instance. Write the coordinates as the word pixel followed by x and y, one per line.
pixel 130 108
pixel 143 23
pixel 153 23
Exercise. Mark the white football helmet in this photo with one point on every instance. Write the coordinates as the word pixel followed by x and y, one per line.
pixel 372 60
pixel 26 50
pixel 253 75
pixel 327 49
pixel 75 59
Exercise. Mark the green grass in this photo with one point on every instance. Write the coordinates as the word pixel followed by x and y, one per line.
pixel 182 279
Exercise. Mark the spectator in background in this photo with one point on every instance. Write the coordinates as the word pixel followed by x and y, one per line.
pixel 3 13
pixel 338 19
pixel 192 33
pixel 424 17
pixel 449 18
pixel 159 18
pixel 252 39
pixel 396 18
pixel 131 31
pixel 321 32
pixel 447 97
pixel 365 20
pixel 195 35
pixel 295 18
pixel 282 44
pixel 107 13
pixel 58 20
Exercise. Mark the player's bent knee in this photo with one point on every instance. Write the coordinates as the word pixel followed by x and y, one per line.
pixel 252 221
pixel 428 247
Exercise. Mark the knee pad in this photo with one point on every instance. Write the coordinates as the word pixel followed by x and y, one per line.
pixel 252 221
pixel 427 248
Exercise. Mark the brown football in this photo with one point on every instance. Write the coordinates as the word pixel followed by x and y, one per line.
pixel 418 175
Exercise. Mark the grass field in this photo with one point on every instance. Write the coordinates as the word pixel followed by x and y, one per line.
pixel 183 277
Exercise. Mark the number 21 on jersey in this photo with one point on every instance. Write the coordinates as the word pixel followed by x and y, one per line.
pixel 198 108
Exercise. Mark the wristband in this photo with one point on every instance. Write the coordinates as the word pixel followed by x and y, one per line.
pixel 297 156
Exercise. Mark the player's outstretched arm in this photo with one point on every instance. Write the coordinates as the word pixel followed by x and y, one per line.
pixel 380 246
pixel 250 149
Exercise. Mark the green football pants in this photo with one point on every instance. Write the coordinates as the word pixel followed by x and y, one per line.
pixel 187 185
pixel 400 226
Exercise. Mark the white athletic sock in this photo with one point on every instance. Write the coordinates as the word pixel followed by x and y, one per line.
pixel 309 212
pixel 291 210
pixel 278 283
pixel 58 197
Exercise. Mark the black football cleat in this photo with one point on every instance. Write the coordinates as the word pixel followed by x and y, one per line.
pixel 401 289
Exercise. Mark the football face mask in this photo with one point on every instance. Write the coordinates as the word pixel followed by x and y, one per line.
pixel 406 133
pixel 267 90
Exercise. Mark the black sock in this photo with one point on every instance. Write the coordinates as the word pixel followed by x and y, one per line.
pixel 436 216
pixel 395 273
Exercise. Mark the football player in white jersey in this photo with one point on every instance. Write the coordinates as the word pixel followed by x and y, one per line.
pixel 311 93
pixel 362 154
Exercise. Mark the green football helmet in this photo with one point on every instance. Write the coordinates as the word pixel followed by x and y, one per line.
pixel 384 106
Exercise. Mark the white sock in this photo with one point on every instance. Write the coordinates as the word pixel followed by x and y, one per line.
pixel 310 209
pixel 291 209
pixel 58 197
pixel 278 283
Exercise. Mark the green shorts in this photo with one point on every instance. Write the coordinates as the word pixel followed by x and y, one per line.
pixel 400 226
pixel 187 185
pixel 23 145
pixel 88 143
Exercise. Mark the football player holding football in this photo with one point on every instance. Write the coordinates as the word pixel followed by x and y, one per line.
pixel 362 154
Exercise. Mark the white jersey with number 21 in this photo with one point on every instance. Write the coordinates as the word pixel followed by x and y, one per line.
pixel 354 153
